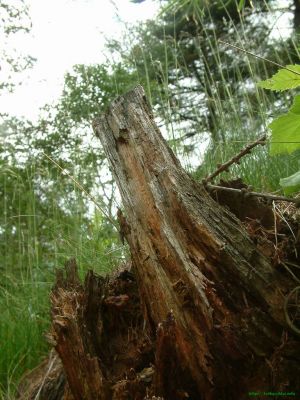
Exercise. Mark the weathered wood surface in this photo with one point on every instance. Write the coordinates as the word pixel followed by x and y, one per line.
pixel 46 381
pixel 100 347
pixel 196 265
pixel 200 315
pixel 97 331
pixel 70 335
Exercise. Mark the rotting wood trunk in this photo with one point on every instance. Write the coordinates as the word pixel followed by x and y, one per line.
pixel 199 315
pixel 215 300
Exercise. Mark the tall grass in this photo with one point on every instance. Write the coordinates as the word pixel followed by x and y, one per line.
pixel 43 225
pixel 241 110
pixel 24 304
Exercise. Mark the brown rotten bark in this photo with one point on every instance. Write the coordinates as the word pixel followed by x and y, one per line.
pixel 77 350
pixel 98 333
pixel 200 315
pixel 215 300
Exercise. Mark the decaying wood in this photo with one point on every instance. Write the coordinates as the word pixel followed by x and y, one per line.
pixel 76 348
pixel 46 381
pixel 200 313
pixel 192 258
pixel 97 331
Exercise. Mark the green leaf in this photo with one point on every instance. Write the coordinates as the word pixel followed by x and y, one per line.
pixel 286 131
pixel 295 109
pixel 291 184
pixel 284 79
pixel 241 5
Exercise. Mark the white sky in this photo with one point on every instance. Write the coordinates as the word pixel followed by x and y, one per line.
pixel 64 33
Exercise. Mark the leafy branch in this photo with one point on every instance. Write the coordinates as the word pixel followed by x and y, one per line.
pixel 285 129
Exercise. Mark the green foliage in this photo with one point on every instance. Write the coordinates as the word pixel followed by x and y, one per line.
pixel 216 7
pixel 286 128
pixel 241 4
pixel 291 184
pixel 45 220
pixel 14 17
pixel 286 131
pixel 24 320
pixel 259 170
pixel 197 86
pixel 284 79
pixel 88 89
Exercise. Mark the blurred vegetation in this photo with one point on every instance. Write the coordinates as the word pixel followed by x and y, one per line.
pixel 15 20
pixel 205 100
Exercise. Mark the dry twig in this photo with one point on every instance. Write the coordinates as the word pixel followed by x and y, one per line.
pixel 235 159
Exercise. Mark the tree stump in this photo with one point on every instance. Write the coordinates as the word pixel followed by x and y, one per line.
pixel 214 299
pixel 201 312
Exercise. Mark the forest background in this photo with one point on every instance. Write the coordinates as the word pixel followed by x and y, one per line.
pixel 57 196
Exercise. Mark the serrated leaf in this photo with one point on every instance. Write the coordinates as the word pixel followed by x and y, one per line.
pixel 291 184
pixel 286 131
pixel 283 79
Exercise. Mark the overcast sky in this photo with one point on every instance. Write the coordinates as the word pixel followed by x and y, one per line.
pixel 64 33
pixel 68 32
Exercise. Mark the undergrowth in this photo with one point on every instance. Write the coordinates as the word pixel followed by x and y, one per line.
pixel 42 232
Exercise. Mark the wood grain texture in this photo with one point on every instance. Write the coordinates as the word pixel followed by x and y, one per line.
pixel 192 257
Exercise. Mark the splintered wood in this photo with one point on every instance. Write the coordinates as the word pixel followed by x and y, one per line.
pixel 192 258
pixel 200 313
